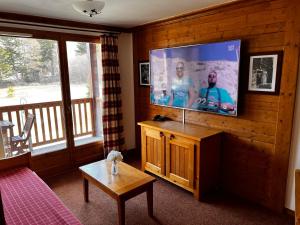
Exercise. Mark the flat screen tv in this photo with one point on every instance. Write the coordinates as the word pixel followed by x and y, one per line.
pixel 201 77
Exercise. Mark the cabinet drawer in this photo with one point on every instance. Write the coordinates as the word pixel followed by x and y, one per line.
pixel 180 139
pixel 153 133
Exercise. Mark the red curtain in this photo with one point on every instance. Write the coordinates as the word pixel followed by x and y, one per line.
pixel 112 105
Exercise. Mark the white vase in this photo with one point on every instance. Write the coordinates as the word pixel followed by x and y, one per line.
pixel 114 167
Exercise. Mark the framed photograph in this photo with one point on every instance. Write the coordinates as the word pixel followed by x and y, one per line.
pixel 144 68
pixel 265 72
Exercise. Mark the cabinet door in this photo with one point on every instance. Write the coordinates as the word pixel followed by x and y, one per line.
pixel 180 154
pixel 153 152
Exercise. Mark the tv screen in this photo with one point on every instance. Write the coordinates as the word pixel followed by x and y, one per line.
pixel 201 77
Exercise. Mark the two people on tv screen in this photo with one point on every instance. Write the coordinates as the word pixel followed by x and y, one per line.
pixel 183 94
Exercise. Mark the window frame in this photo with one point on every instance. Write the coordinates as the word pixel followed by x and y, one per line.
pixel 62 38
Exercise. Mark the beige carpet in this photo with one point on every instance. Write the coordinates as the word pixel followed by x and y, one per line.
pixel 172 206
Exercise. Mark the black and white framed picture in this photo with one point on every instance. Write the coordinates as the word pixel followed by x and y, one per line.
pixel 265 72
pixel 144 68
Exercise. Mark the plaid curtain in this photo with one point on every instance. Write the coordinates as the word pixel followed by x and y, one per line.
pixel 112 105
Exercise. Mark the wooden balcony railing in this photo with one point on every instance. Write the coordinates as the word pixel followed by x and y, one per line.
pixel 49 125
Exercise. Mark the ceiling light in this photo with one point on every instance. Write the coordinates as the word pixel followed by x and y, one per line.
pixel 89 7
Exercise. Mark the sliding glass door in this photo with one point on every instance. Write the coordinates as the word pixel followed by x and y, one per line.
pixel 59 82
pixel 30 83
pixel 84 66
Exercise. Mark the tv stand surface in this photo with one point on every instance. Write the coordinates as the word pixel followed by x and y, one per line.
pixel 184 154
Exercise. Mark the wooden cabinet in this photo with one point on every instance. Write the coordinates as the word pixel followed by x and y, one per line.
pixel 184 154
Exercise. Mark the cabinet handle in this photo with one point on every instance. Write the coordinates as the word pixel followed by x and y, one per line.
pixel 172 136
pixel 161 134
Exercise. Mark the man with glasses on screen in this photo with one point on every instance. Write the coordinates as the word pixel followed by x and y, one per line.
pixel 214 99
pixel 181 89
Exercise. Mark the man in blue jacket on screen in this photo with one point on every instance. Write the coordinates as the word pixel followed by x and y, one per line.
pixel 182 88
pixel 214 99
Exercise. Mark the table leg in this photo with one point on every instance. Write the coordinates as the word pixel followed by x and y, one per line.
pixel 11 134
pixel 86 190
pixel 121 211
pixel 150 199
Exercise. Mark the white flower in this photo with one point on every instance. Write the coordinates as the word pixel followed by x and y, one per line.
pixel 114 156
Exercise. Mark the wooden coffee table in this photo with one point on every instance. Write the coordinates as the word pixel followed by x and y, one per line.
pixel 128 183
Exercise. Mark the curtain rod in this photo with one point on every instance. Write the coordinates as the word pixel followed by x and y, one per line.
pixel 41 25
pixel 15 34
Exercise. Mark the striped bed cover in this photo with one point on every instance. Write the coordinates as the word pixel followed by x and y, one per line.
pixel 27 200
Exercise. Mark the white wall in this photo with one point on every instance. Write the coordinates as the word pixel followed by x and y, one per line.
pixel 295 152
pixel 127 88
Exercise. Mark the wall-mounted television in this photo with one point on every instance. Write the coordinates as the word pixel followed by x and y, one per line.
pixel 201 77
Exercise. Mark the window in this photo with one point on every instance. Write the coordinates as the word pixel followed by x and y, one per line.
pixel 86 95
pixel 31 83
pixel 29 72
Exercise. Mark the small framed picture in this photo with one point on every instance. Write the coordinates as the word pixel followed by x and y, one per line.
pixel 144 68
pixel 265 72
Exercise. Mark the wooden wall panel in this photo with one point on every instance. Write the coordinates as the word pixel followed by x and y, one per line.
pixel 51 164
pixel 286 104
pixel 256 143
pixel 59 162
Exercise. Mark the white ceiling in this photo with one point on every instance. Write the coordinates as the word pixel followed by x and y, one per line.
pixel 120 13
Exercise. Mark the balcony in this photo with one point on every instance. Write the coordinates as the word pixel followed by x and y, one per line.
pixel 49 132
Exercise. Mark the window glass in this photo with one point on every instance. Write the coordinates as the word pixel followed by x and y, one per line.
pixel 84 62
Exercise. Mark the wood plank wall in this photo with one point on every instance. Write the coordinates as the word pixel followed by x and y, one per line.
pixel 62 161
pixel 256 143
